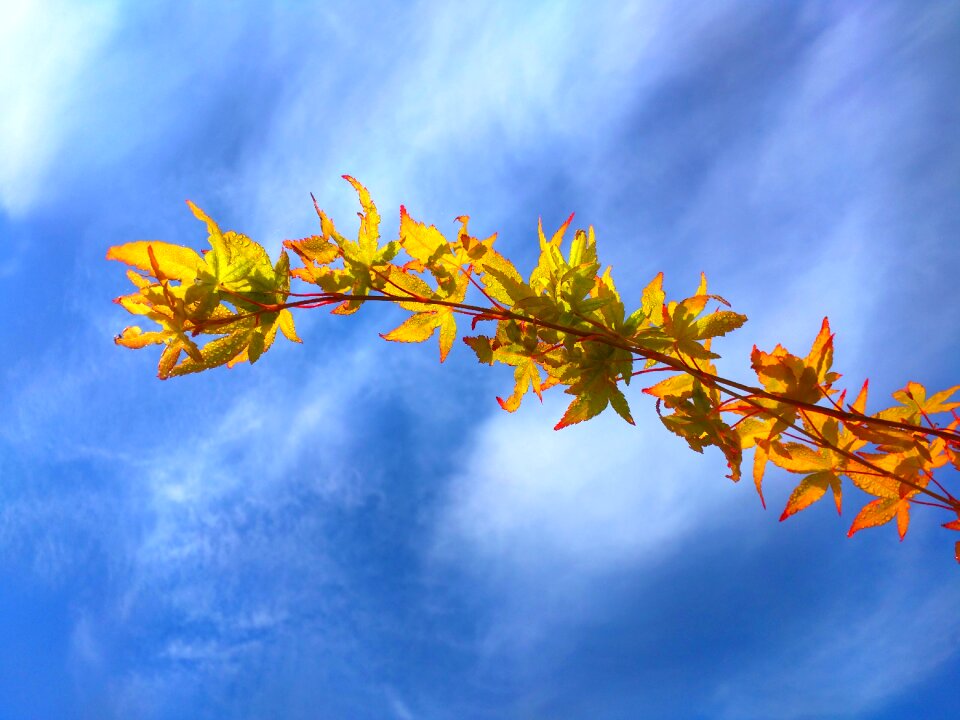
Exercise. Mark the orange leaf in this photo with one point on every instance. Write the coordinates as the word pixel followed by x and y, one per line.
pixel 679 385
pixel 873 514
pixel 820 357
pixel 800 458
pixel 812 488
pixel 134 337
pixel 759 465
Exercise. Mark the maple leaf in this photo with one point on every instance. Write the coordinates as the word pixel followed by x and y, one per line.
pixel 592 381
pixel 187 295
pixel 421 326
pixel 881 511
pixel 366 264
pixel 565 291
pixel 681 328
pixel 651 304
pixel 237 264
pixel 551 266
pixel 565 325
pixel 216 352
pixel 423 243
pixel 915 405
pixel 174 261
pixel 676 387
pixel 696 419
pixel 316 253
pixel 611 310
pixel 526 376
pixel 818 465
pixel 806 380
pixel 823 466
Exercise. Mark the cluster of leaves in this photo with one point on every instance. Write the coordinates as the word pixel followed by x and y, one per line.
pixel 233 292
pixel 565 325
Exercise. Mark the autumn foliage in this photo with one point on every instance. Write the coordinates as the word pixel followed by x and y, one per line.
pixel 564 325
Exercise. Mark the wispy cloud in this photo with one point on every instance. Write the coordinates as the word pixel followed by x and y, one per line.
pixel 232 522
pixel 220 539
pixel 44 48
pixel 476 86
pixel 539 517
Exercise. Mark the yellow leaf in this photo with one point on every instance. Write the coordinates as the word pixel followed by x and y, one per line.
pixel 168 358
pixel 416 328
pixel 369 220
pixel 719 323
pixel 678 385
pixel 175 262
pixel 314 249
pixel 212 227
pixel 214 353
pixel 285 321
pixel 134 337
pixel 422 242
pixel 799 458
pixel 653 297
pixel 448 333
pixel 557 236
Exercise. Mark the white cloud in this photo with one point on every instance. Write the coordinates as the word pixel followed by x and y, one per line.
pixel 538 517
pixel 279 440
pixel 449 100
pixel 836 279
pixel 200 511
pixel 44 48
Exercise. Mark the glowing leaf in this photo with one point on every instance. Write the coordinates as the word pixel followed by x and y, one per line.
pixel 915 403
pixel 415 328
pixel 369 219
pixel 421 326
pixel 759 465
pixel 695 420
pixel 590 404
pixel 565 325
pixel 134 337
pixel 718 323
pixel 175 262
pixel 653 297
pixel 675 386
pixel 820 357
pixel 526 376
pixel 215 353
pixel 811 489
pixel 285 322
pixel 421 242
pixel 880 512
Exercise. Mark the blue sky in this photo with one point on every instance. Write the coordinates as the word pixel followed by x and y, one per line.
pixel 350 530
